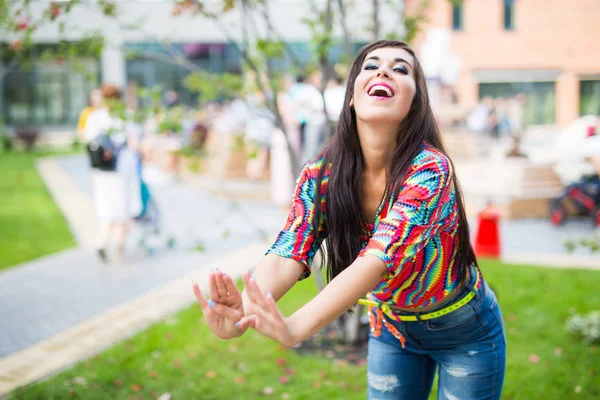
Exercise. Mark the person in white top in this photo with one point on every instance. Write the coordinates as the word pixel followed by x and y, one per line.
pixel 308 98
pixel 334 98
pixel 116 193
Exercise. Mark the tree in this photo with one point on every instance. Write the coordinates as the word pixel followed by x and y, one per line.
pixel 257 48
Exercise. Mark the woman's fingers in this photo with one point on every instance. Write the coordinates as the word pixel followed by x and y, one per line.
pixel 230 286
pixel 251 321
pixel 200 297
pixel 253 291
pixel 209 306
pixel 212 286
pixel 273 309
pixel 220 285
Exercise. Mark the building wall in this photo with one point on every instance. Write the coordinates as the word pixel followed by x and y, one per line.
pixel 155 23
pixel 558 36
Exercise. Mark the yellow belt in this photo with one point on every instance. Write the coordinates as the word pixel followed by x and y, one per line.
pixel 453 307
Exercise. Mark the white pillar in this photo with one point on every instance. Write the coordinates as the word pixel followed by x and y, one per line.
pixel 113 66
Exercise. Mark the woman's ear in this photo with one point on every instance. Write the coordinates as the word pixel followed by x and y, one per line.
pixel 351 102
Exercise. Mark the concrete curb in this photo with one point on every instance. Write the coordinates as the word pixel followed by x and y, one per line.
pixel 554 261
pixel 90 337
pixel 75 205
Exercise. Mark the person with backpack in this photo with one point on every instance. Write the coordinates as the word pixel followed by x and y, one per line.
pixel 115 190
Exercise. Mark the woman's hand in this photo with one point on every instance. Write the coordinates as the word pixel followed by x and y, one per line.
pixel 265 317
pixel 224 308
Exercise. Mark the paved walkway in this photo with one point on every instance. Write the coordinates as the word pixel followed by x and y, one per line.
pixel 48 305
pixel 45 296
pixel 67 306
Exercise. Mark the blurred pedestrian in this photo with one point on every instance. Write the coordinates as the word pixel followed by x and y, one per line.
pixel 516 117
pixel 334 98
pixel 95 101
pixel 116 185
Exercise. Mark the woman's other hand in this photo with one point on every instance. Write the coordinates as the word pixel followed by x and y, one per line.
pixel 265 317
pixel 224 308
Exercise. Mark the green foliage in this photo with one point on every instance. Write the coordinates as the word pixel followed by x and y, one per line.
pixel 151 95
pixel 213 86
pixel 5 142
pixel 118 108
pixel 413 23
pixel 238 143
pixel 171 121
pixel 586 326
pixel 194 165
pixel 270 48
pixel 108 7
pixel 228 5
pixel 199 247
pixel 592 243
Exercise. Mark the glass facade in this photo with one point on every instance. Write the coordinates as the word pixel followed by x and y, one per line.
pixel 150 64
pixel 45 92
pixel 589 97
pixel 541 98
pixel 509 15
pixel 457 17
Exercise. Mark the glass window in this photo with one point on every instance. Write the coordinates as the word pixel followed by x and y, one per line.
pixel 589 97
pixel 150 64
pixel 540 99
pixel 48 92
pixel 509 15
pixel 457 17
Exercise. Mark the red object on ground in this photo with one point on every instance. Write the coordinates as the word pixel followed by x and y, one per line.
pixel 591 131
pixel 487 238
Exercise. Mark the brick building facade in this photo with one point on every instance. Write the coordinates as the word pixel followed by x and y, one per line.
pixel 547 49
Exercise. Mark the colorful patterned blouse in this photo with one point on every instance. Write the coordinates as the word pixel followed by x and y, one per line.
pixel 416 235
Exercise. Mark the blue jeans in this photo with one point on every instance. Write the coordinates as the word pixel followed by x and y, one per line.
pixel 468 346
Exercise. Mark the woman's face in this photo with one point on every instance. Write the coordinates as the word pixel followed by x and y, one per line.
pixel 385 87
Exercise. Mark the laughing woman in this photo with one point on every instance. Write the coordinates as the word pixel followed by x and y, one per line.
pixel 384 199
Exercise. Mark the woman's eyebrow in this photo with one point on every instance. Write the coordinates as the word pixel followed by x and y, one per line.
pixel 397 59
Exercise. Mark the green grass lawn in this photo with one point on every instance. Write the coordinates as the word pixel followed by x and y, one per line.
pixel 180 356
pixel 31 225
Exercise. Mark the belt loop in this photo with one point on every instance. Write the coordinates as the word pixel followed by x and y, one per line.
pixel 471 286
pixel 473 281
pixel 418 315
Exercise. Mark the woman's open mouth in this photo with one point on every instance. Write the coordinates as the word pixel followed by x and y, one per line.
pixel 380 90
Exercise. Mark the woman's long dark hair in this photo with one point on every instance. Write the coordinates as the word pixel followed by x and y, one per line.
pixel 344 190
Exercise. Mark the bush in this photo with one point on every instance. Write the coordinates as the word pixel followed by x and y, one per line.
pixel 586 326
pixel 28 137
pixel 5 143
pixel 592 243
pixel 76 144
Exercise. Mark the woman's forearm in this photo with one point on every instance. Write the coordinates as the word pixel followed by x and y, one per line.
pixel 274 274
pixel 338 296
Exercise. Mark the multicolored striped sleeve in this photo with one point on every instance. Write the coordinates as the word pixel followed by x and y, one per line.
pixel 298 240
pixel 417 214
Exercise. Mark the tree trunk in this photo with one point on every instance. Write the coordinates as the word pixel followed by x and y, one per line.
pixel 375 20
pixel 348 49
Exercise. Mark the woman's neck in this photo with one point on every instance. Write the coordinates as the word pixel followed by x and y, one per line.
pixel 377 143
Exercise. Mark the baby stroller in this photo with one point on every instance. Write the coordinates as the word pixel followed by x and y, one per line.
pixel 149 223
pixel 145 210
pixel 581 180
pixel 585 195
